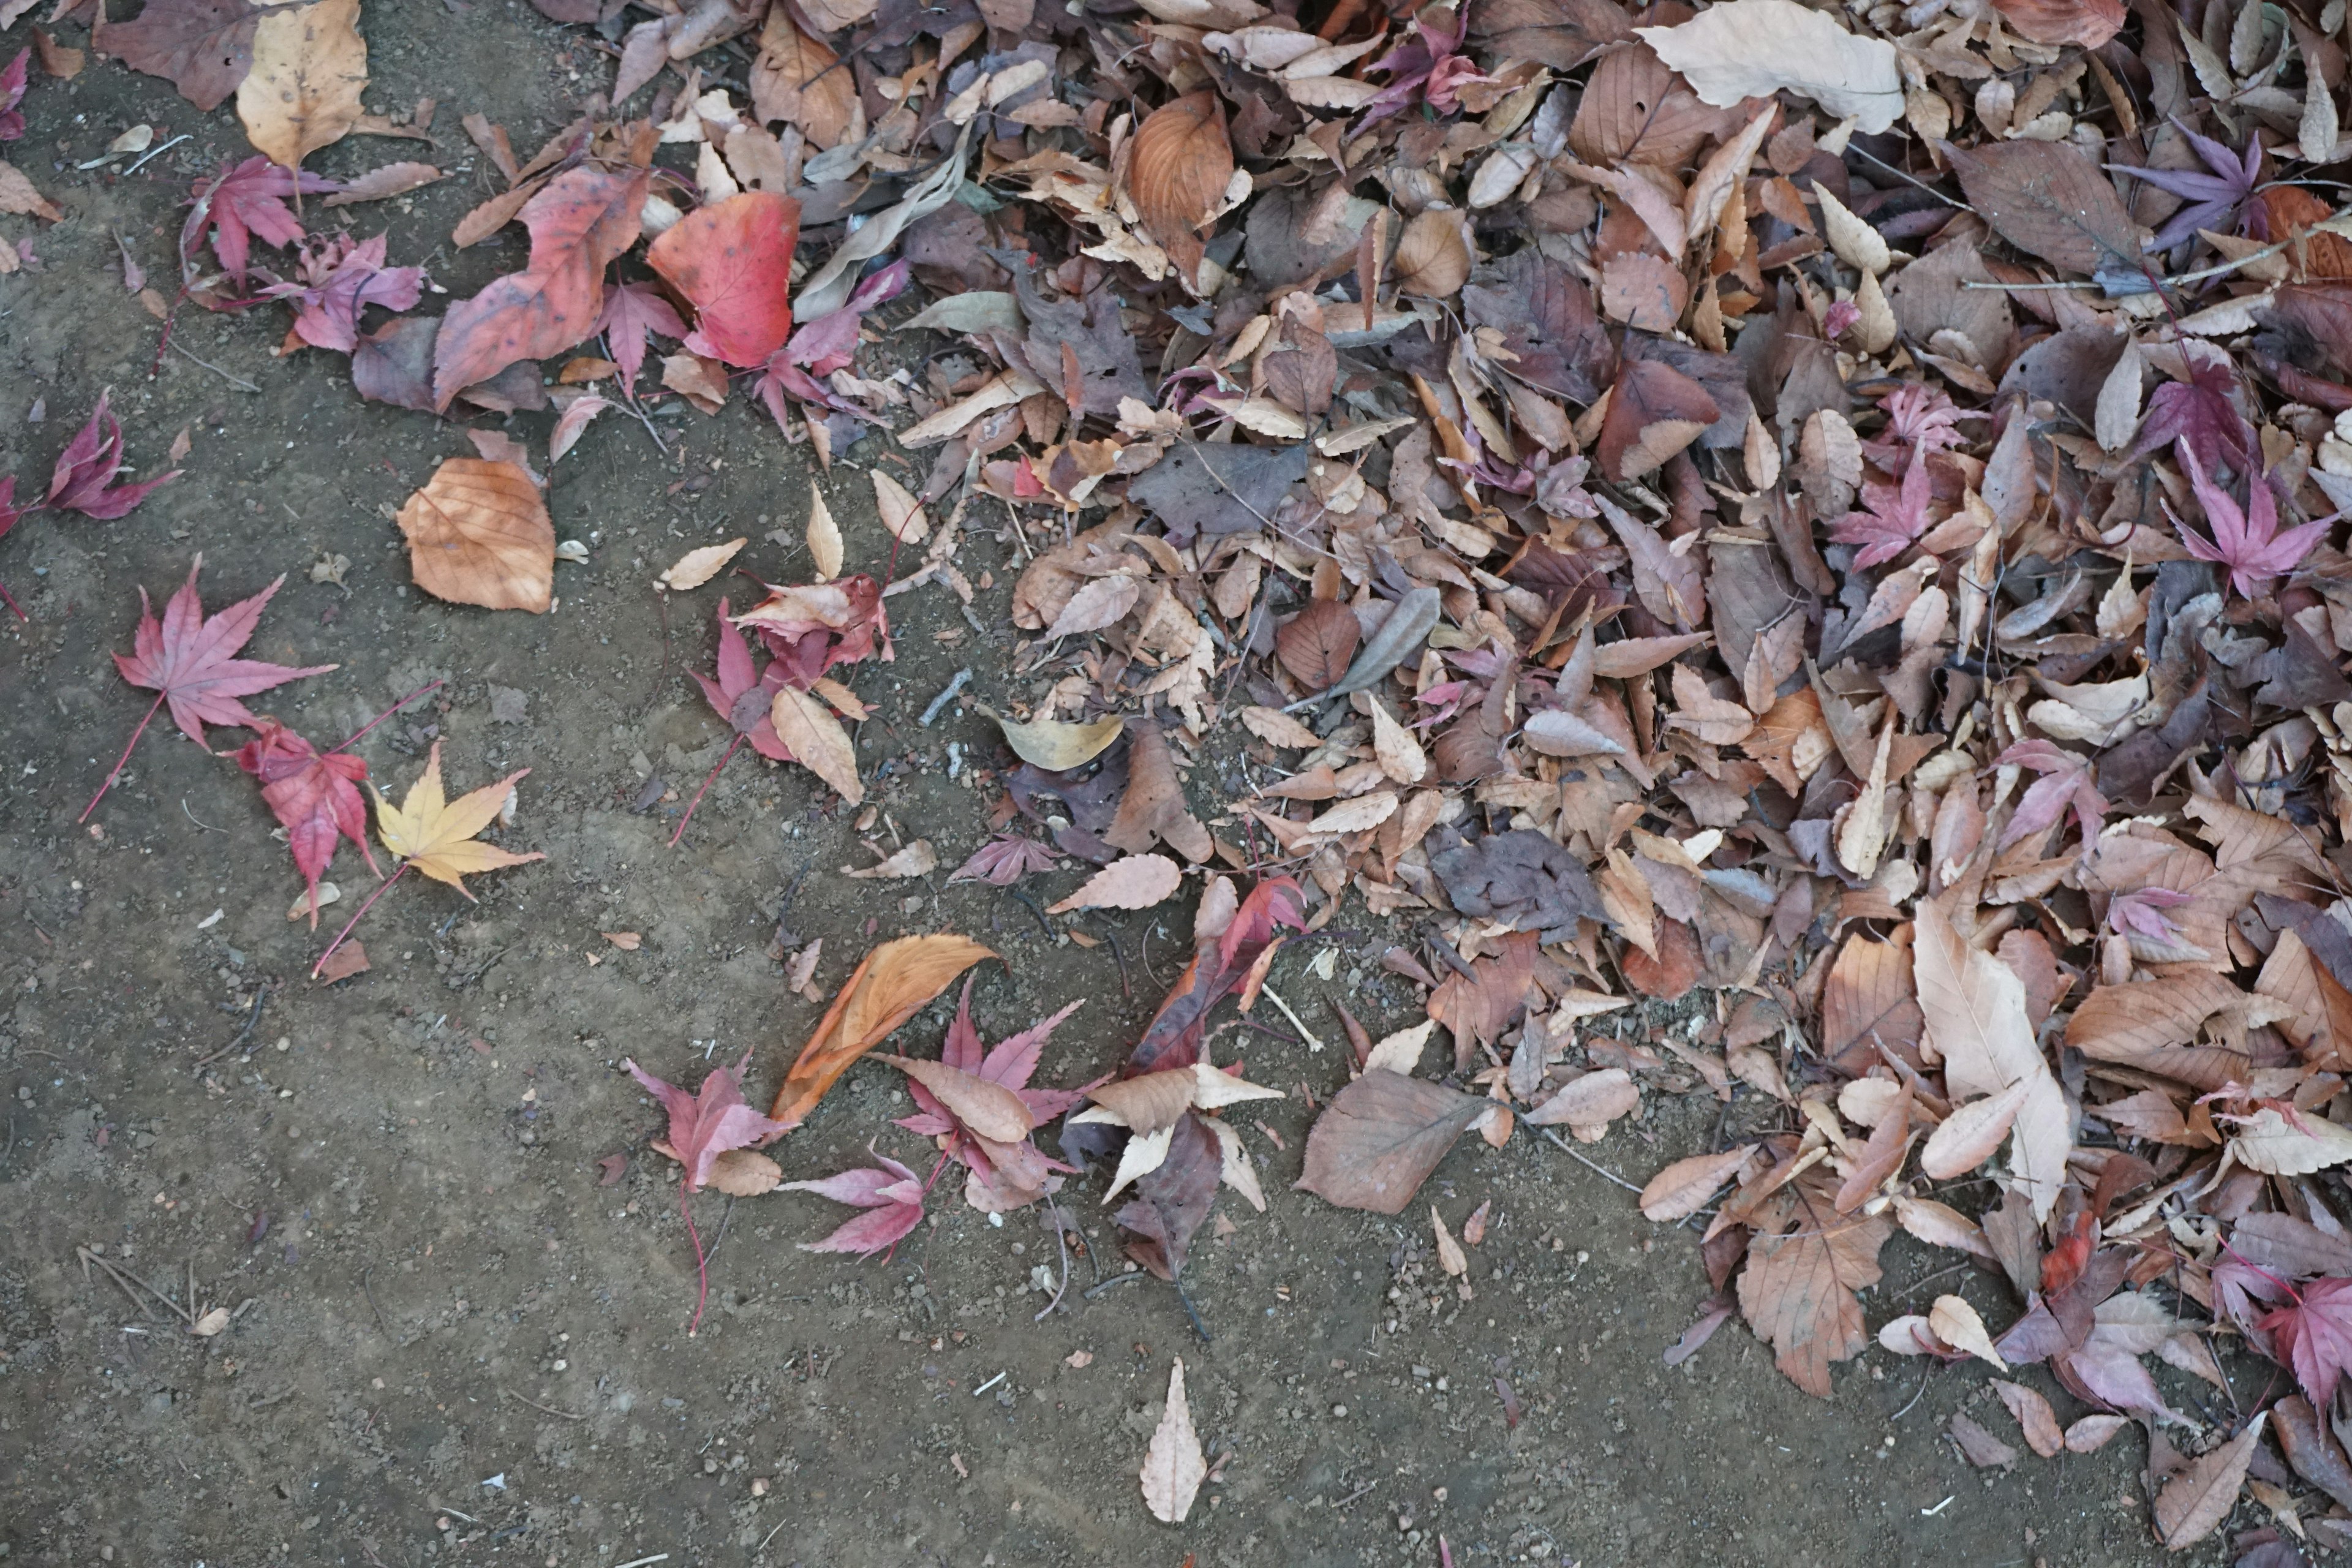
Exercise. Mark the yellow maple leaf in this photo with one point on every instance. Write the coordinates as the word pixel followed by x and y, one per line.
pixel 436 836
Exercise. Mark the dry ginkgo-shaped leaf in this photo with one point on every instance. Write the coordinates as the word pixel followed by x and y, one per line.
pixel 436 835
pixel 699 565
pixel 889 986
pixel 1432 255
pixel 1132 882
pixel 478 534
pixel 303 91
pixel 1055 746
pixel 1174 1466
pixel 817 741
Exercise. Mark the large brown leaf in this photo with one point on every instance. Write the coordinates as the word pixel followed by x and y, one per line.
pixel 478 534
pixel 2089 23
pixel 204 48
pixel 1867 1002
pixel 1654 411
pixel 1380 1137
pixel 2193 1503
pixel 1177 169
pixel 889 986
pixel 1316 644
pixel 2049 198
pixel 1805 1261
pixel 584 219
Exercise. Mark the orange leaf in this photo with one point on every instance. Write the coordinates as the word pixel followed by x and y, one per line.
pixel 885 990
pixel 734 262
pixel 1178 168
pixel 478 534
pixel 584 219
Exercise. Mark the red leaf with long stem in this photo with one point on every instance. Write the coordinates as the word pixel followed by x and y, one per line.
pixel 745 701
pixel 189 660
pixel 703 1126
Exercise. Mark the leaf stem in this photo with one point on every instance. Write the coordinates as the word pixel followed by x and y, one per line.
pixel 382 888
pixel 10 600
pixel 119 762
pixel 354 738
pixel 702 1262
pixel 725 757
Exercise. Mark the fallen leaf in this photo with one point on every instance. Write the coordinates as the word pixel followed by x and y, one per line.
pixel 1683 1188
pixel 1133 882
pixel 2049 198
pixel 627 940
pixel 2276 1144
pixel 1380 1137
pixel 1174 1466
pixel 917 859
pixel 188 659
pixel 315 795
pixel 1055 746
pixel 2034 1417
pixel 1432 256
pixel 2193 1504
pixel 705 1124
pixel 741 1173
pixel 1805 1263
pixel 1955 1323
pixel 890 1193
pixel 817 741
pixel 1178 167
pixel 698 566
pixel 348 958
pixel 303 91
pixel 732 262
pixel 213 1323
pixel 1974 1007
pixel 436 836
pixel 1316 644
pixel 889 986
pixel 204 48
pixel 478 534
pixel 824 537
pixel 988 1109
pixel 1741 49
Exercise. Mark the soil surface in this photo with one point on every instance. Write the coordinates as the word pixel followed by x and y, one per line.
pixel 450 1340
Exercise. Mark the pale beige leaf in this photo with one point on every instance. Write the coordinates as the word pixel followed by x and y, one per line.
pixel 1099 602
pixel 1432 256
pixel 1148 1103
pixel 1975 1009
pixel 1557 733
pixel 1955 1323
pixel 744 1174
pixel 2270 1142
pixel 1277 728
pixel 915 859
pixel 1857 244
pixel 1969 1135
pixel 1174 1466
pixel 1213 1088
pixel 817 741
pixel 2193 1503
pixel 1450 1255
pixel 2116 417
pixel 1132 882
pixel 2092 1433
pixel 1401 1052
pixel 1683 1188
pixel 478 534
pixel 1399 755
pixel 2034 1417
pixel 303 91
pixel 698 566
pixel 1753 48
pixel 1145 1152
pixel 212 1323
pixel 902 514
pixel 1236 1170
pixel 1355 815
pixel 1940 1225
pixel 1593 1100
pixel 1055 746
pixel 989 1108
pixel 824 537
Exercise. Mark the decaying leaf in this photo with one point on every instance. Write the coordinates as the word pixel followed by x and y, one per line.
pixel 478 534
pixel 1174 1466
pixel 888 987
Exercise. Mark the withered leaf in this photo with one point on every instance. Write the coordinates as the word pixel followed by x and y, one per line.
pixel 2049 199
pixel 1380 1137
pixel 1805 1261
pixel 1316 644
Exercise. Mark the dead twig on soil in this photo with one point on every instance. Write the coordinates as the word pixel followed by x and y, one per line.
pixel 535 1404
pixel 1597 1170
pixel 237 381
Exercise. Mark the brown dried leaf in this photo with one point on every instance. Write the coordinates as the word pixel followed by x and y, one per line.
pixel 1432 255
pixel 1805 1261
pixel 989 1108
pixel 1316 644
pixel 303 91
pixel 2034 1417
pixel 1174 1466
pixel 1178 164
pixel 1380 1137
pixel 2193 1503
pixel 2049 198
pixel 744 1174
pixel 889 986
pixel 698 566
pixel 1975 1010
pixel 1133 882
pixel 1683 1188
pixel 478 534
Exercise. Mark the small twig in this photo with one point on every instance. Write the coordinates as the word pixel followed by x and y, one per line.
pixel 1043 923
pixel 1061 1240
pixel 659 1556
pixel 354 737
pixel 1598 1170
pixel 1198 1327
pixel 1352 1496
pixel 1926 1378
pixel 1920 1284
pixel 725 1218
pixel 1111 937
pixel 151 153
pixel 370 1290
pixel 237 381
pixel 1094 1290
pixel 550 1409
pixel 207 827
pixel 242 1034
pixel 1295 1022
pixel 123 761
pixel 957 684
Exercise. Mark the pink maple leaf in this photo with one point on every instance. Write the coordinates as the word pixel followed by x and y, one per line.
pixel 2313 1334
pixel 12 93
pixel 633 312
pixel 2247 539
pixel 1003 860
pixel 1896 518
pixel 315 794
pixel 2140 913
pixel 2066 784
pixel 240 203
pixel 83 480
pixel 745 701
pixel 1004 1175
pixel 892 1194
pixel 702 1127
pixel 340 279
pixel 2203 412
pixel 1921 421
pixel 819 348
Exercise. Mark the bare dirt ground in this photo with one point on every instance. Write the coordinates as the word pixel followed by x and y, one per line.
pixel 449 1341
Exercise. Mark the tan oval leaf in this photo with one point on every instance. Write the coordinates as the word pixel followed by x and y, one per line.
pixel 917 859
pixel 303 91
pixel 1433 256
pixel 824 537
pixel 1683 1188
pixel 2034 1417
pixel 817 741
pixel 478 534
pixel 1148 1101
pixel 697 567
pixel 1277 728
pixel 1400 755
pixel 1101 601
pixel 990 1110
pixel 1133 882
pixel 1971 1134
pixel 2193 1503
pixel 902 514
pixel 1174 1466
pixel 1957 1324
pixel 744 1174
pixel 1593 1100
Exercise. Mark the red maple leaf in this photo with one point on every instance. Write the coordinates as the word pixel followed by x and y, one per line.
pixel 2313 1334
pixel 190 662
pixel 314 795
pixel 86 469
pixel 633 312
pixel 1921 421
pixel 811 628
pixel 1898 517
pixel 12 93
pixel 745 701
pixel 702 1127
pixel 2247 539
pixel 892 1194
pixel 2201 411
pixel 1004 1175
pixel 340 279
pixel 239 203
pixel 1004 860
